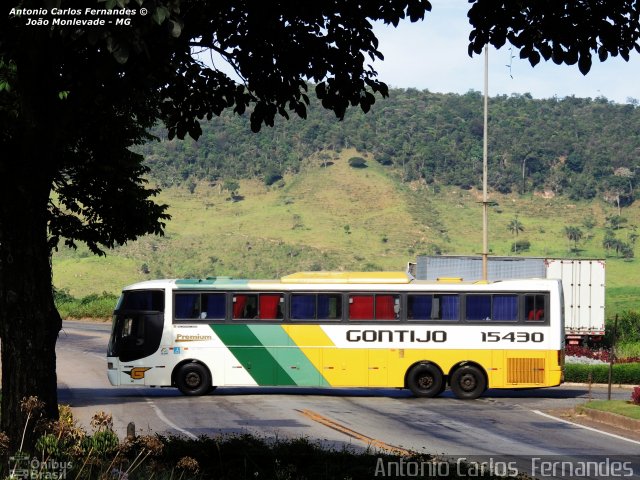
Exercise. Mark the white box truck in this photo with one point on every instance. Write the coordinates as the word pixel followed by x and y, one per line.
pixel 583 282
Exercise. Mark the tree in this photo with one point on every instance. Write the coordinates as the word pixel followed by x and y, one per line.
pixel 574 234
pixel 616 221
pixel 565 31
pixel 609 241
pixel 619 190
pixel 74 99
pixel 515 227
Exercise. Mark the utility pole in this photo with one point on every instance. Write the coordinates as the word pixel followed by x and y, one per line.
pixel 485 200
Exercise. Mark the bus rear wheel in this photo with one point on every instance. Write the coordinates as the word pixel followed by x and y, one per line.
pixel 425 380
pixel 193 379
pixel 468 382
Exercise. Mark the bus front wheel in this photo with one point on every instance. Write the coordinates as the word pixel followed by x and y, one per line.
pixel 468 382
pixel 425 380
pixel 193 379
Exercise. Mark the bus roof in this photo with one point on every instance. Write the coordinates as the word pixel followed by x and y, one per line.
pixel 319 278
pixel 346 277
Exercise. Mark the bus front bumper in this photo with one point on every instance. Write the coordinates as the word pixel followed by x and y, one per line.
pixel 112 371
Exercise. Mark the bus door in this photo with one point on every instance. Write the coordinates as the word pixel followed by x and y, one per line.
pixel 135 337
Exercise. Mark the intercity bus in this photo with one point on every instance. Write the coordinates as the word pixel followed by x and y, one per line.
pixel 339 329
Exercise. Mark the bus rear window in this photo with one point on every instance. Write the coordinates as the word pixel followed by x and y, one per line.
pixel 144 300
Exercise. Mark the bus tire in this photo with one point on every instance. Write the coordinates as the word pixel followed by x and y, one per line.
pixel 425 380
pixel 193 379
pixel 468 382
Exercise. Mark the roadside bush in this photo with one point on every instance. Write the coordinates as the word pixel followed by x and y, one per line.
pixel 625 353
pixel 628 330
pixel 64 451
pixel 62 295
pixel 578 351
pixel 520 246
pixel 623 373
pixel 91 306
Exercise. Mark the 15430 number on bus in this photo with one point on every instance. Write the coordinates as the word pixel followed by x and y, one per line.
pixel 513 337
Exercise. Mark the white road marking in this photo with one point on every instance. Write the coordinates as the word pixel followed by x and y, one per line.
pixel 585 427
pixel 162 417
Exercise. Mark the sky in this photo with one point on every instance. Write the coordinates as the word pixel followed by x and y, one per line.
pixel 432 54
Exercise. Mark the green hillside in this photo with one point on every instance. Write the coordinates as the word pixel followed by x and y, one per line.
pixel 576 147
pixel 333 216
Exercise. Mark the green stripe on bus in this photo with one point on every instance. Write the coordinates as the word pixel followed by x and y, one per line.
pixel 290 358
pixel 257 360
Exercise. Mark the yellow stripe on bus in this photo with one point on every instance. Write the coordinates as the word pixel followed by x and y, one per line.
pixel 346 277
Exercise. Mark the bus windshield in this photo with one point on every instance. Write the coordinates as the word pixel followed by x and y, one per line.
pixel 137 325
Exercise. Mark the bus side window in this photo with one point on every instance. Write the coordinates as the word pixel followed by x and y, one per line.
pixel 245 306
pixel 303 307
pixel 419 307
pixel 213 306
pixel 449 307
pixel 374 307
pixel 361 307
pixel 329 306
pixel 312 306
pixel 478 307
pixel 187 305
pixel 504 308
pixel 263 306
pixel 534 308
pixel 270 306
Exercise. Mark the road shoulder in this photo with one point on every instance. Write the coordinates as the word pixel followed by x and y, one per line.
pixel 605 423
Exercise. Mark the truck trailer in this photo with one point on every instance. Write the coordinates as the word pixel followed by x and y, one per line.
pixel 583 283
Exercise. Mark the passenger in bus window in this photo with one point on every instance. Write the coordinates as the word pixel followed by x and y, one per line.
pixel 536 315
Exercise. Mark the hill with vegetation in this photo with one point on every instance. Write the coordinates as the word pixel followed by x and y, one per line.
pixel 580 148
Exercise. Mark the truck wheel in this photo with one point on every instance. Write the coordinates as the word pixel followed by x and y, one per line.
pixel 468 382
pixel 193 379
pixel 425 380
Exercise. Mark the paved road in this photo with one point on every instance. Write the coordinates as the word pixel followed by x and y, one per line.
pixel 503 422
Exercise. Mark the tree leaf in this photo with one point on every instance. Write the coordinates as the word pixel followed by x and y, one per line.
pixel 176 28
pixel 160 15
pixel 584 62
pixel 603 54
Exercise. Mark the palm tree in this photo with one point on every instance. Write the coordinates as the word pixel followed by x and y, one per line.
pixel 574 234
pixel 515 226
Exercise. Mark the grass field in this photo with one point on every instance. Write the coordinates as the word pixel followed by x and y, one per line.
pixel 620 407
pixel 339 217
